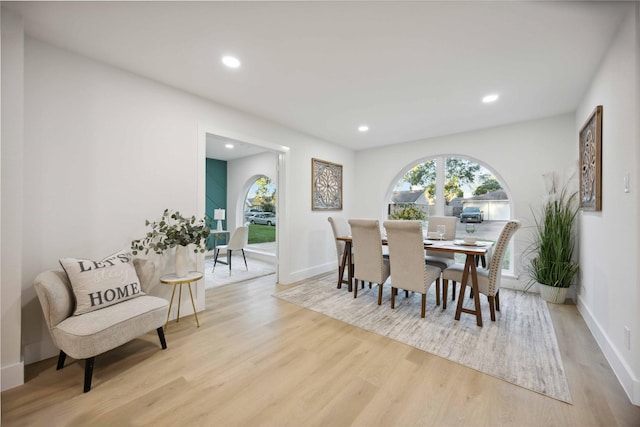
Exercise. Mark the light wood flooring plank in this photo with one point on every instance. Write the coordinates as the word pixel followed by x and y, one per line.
pixel 260 361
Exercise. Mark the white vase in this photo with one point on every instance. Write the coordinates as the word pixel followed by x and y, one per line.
pixel 552 294
pixel 182 261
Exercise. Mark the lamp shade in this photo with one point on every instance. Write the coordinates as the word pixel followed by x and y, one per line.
pixel 218 214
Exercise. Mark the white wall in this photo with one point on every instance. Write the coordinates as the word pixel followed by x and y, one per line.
pixel 12 198
pixel 609 296
pixel 518 154
pixel 105 149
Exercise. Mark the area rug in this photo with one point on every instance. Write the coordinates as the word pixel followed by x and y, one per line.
pixel 220 276
pixel 519 347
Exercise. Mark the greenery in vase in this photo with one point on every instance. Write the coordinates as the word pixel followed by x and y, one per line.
pixel 553 243
pixel 172 230
pixel 407 211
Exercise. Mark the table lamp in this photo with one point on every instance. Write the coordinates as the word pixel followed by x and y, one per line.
pixel 218 215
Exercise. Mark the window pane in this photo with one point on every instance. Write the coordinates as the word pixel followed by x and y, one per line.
pixel 415 191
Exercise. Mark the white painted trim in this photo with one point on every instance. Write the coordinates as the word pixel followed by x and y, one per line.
pixel 622 371
pixel 282 210
pixel 12 376
pixel 306 273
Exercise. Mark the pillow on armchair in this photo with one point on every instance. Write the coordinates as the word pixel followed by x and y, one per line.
pixel 99 284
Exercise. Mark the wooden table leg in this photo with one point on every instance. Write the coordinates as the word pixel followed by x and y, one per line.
pixel 342 266
pixel 347 248
pixel 469 269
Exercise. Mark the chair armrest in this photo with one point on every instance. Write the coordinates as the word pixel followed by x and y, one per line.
pixel 55 295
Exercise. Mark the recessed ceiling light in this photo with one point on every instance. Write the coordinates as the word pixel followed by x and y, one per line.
pixel 231 61
pixel 228 145
pixel 363 128
pixel 490 98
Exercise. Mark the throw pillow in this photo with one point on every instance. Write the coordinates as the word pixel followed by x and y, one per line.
pixel 99 284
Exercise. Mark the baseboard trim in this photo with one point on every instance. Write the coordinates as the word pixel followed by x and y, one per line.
pixel 307 273
pixel 12 376
pixel 622 371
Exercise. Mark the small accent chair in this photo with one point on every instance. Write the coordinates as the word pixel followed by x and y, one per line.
pixel 340 228
pixel 239 240
pixel 87 335
pixel 488 280
pixel 441 259
pixel 409 270
pixel 370 265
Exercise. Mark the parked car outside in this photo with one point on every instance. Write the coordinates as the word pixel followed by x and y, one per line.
pixel 248 213
pixel 264 218
pixel 471 214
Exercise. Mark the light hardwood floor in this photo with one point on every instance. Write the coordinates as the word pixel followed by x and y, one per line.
pixel 260 361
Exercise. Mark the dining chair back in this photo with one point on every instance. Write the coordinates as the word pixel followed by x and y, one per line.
pixel 239 240
pixel 409 270
pixel 441 259
pixel 340 228
pixel 488 280
pixel 369 263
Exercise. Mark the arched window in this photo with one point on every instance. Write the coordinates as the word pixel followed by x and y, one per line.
pixel 454 186
pixel 260 211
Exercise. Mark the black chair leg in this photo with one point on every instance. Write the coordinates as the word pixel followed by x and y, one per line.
pixel 215 258
pixel 163 342
pixel 88 373
pixel 245 260
pixel 61 358
pixel 229 253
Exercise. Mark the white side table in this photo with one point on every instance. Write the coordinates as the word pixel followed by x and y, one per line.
pixel 172 279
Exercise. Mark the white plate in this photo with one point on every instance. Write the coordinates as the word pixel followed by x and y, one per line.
pixel 463 243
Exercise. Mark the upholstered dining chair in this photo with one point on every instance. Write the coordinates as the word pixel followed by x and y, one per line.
pixel 409 270
pixel 441 259
pixel 488 280
pixel 369 264
pixel 239 240
pixel 340 228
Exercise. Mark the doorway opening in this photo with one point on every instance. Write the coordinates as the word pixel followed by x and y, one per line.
pixel 253 170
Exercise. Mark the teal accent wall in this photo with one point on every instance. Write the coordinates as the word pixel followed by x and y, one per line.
pixel 216 191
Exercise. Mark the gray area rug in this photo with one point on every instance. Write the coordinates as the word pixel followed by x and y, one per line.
pixel 519 347
pixel 220 276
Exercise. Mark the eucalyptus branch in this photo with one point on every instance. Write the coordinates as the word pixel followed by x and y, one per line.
pixel 171 230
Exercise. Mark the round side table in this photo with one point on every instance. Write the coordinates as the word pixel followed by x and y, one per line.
pixel 172 279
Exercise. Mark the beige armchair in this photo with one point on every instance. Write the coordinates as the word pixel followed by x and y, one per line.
pixel 87 335
pixel 409 270
pixel 369 263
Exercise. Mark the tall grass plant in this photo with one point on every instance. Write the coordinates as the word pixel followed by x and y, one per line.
pixel 554 239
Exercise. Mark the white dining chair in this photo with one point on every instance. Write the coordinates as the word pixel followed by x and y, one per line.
pixel 239 240
pixel 441 259
pixel 369 263
pixel 340 228
pixel 488 280
pixel 409 270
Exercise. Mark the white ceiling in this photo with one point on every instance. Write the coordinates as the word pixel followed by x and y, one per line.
pixel 410 70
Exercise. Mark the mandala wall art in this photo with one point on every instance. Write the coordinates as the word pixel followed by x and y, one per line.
pixel 326 185
pixel 590 140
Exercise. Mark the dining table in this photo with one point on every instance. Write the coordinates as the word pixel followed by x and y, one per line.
pixel 472 252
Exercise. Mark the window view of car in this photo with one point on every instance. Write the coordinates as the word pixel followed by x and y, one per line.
pixel 471 214
pixel 264 218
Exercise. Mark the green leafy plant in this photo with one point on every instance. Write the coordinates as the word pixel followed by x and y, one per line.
pixel 407 211
pixel 554 242
pixel 172 230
